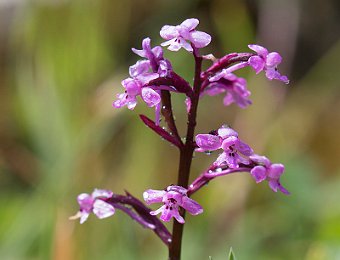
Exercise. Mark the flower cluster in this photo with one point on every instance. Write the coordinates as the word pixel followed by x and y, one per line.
pixel 141 73
pixel 236 153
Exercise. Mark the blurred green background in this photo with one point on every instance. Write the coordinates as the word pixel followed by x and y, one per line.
pixel 61 63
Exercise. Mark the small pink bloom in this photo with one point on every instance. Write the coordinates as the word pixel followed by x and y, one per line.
pixel 179 36
pixel 140 76
pixel 234 87
pixel 227 139
pixel 266 61
pixel 265 170
pixel 172 198
pixel 94 203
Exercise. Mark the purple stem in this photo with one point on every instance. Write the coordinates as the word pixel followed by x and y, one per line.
pixel 226 61
pixel 174 80
pixel 209 175
pixel 222 63
pixel 133 215
pixel 142 215
pixel 168 115
pixel 186 153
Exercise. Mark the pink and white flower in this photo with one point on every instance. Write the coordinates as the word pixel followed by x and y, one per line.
pixel 172 198
pixel 179 36
pixel 94 203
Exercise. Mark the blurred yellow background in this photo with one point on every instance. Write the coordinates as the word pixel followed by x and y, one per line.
pixel 61 63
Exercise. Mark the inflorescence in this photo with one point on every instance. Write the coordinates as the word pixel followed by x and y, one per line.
pixel 153 79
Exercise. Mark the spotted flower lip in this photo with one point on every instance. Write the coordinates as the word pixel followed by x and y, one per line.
pixel 172 197
pixel 265 170
pixel 267 61
pixel 179 36
pixel 226 139
pixel 94 203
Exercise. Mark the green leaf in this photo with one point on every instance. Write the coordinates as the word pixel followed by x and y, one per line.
pixel 231 254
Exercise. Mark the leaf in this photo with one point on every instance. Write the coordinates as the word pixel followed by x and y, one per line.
pixel 160 131
pixel 231 254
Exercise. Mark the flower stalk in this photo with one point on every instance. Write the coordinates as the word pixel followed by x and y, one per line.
pixel 153 79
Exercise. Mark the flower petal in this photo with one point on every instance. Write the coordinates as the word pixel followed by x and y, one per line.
pixel 187 46
pixel 168 32
pixel 258 49
pixel 274 185
pixel 258 173
pixel 191 206
pixel 157 211
pixel 229 141
pixel 153 196
pixel 225 132
pixel 131 104
pixel 228 99
pixel 177 216
pixel 85 202
pixel 283 190
pixel 102 193
pixel 83 217
pixel 232 160
pixel 150 96
pixel 158 52
pixel 273 59
pixel 141 67
pixel 244 148
pixel 208 142
pixel 257 63
pixel 167 214
pixel 200 39
pixel 145 46
pixel 179 189
pixel 220 159
pixel 260 159
pixel 132 86
pixel 190 23
pixel 102 209
pixel 276 170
